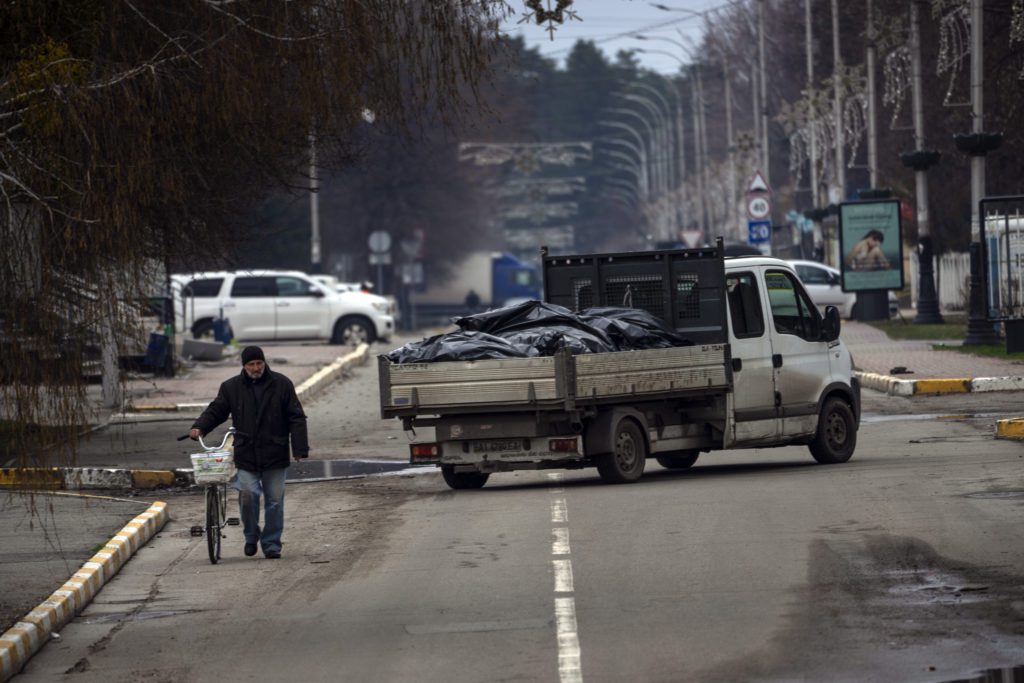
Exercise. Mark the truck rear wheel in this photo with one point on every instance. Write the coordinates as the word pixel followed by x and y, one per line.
pixel 837 433
pixel 463 480
pixel 678 460
pixel 625 463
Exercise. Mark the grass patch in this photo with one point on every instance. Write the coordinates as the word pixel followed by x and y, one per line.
pixel 984 350
pixel 955 327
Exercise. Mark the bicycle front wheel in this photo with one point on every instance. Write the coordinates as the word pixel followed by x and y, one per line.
pixel 214 514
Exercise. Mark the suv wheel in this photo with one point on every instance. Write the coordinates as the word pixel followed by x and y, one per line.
pixel 353 330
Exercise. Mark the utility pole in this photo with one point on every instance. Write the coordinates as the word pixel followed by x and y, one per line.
pixel 837 71
pixel 978 143
pixel 872 114
pixel 731 148
pixel 765 159
pixel 920 160
pixel 314 209
pixel 698 157
pixel 812 122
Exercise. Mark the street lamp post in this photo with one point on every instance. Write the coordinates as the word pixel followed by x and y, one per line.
pixel 641 151
pixel 654 171
pixel 663 149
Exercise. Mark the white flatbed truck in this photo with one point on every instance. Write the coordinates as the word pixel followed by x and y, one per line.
pixel 765 369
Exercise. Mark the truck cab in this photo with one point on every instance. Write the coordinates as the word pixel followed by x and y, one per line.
pixel 787 359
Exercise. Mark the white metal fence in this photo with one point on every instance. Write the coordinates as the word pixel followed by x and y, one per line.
pixel 952 275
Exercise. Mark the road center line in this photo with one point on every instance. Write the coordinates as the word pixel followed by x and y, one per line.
pixel 569 657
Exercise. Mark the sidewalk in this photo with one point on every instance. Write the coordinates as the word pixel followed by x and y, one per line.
pixel 909 368
pixel 197 382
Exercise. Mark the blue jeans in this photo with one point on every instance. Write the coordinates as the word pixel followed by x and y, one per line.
pixel 269 484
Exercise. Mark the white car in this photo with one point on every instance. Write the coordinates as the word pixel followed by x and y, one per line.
pixel 278 304
pixel 824 285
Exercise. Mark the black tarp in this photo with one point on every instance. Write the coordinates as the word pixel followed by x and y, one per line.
pixel 534 328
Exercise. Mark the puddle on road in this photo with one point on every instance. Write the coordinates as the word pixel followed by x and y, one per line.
pixel 317 470
pixel 1010 675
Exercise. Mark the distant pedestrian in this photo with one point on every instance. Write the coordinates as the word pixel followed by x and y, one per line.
pixel 265 410
pixel 472 301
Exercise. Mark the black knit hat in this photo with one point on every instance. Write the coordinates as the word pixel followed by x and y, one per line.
pixel 251 353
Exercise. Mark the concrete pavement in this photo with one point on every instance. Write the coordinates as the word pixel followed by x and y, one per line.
pixel 313 366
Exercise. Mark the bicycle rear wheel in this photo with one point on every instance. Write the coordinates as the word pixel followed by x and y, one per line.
pixel 214 515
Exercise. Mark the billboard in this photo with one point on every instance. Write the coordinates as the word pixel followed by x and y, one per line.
pixel 871 245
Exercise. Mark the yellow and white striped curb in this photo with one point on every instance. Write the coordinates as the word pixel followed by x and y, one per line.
pixel 895 386
pixel 327 374
pixel 1010 429
pixel 306 389
pixel 82 478
pixel 25 638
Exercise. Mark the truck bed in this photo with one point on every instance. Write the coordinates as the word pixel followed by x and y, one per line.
pixel 560 382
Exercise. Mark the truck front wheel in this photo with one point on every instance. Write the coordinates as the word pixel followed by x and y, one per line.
pixel 463 480
pixel 837 433
pixel 625 463
pixel 678 460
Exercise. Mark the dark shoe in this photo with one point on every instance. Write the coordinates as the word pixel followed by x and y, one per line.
pixel 250 549
pixel 272 554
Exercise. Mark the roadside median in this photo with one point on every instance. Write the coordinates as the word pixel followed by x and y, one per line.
pixel 305 389
pixel 110 478
pixel 27 636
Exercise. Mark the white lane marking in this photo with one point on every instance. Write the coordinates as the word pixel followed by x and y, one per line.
pixel 560 541
pixel 563 576
pixel 569 669
pixel 569 657
pixel 559 515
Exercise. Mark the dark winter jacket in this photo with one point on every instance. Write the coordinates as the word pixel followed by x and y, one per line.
pixel 264 427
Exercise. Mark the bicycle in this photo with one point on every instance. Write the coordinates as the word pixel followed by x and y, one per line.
pixel 214 468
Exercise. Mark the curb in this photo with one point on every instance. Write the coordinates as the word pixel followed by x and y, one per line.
pixel 895 386
pixel 25 638
pixel 84 478
pixel 307 389
pixel 1010 429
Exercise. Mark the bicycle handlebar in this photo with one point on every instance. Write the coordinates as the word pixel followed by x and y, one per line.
pixel 228 434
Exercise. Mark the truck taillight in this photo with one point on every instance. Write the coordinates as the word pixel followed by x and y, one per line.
pixel 424 451
pixel 562 445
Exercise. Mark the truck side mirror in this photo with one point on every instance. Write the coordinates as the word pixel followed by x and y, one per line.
pixel 830 330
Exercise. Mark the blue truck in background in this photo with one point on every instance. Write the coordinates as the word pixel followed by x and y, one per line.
pixel 483 280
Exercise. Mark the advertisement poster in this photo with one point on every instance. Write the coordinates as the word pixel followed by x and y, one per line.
pixel 871 245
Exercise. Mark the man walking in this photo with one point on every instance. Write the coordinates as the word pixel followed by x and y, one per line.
pixel 265 411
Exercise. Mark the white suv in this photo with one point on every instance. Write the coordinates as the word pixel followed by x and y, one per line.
pixel 278 304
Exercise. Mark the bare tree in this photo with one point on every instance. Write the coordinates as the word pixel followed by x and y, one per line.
pixel 135 132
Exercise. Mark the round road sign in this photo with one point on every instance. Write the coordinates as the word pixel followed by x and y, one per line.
pixel 759 207
pixel 379 241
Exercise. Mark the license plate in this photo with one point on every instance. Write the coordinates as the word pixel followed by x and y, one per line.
pixel 497 445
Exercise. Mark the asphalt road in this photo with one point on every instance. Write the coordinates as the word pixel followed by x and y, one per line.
pixel 903 564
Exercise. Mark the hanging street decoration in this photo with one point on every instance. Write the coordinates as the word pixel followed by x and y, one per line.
pixel 546 14
pixel 540 213
pixel 541 189
pixel 526 157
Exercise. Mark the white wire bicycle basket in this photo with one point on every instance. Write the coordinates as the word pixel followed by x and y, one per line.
pixel 215 467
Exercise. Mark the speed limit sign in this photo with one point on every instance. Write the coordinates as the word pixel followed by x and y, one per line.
pixel 759 207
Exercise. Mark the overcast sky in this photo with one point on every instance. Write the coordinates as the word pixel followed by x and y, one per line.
pixel 609 23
